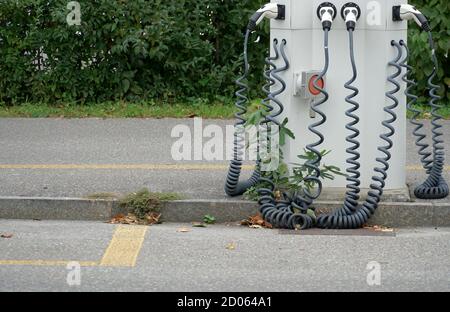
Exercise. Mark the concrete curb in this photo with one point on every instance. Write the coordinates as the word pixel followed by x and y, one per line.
pixel 393 214
pixel 47 208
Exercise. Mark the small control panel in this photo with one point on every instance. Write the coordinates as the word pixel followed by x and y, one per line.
pixel 304 84
pixel 306 89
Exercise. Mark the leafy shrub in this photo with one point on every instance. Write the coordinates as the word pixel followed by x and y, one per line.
pixel 123 49
pixel 437 12
pixel 140 49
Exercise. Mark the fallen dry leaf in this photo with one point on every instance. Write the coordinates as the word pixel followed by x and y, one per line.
pixel 117 219
pixel 231 246
pixel 6 235
pixel 130 219
pixel 183 230
pixel 378 228
pixel 198 224
pixel 278 195
pixel 149 219
pixel 153 218
pixel 256 222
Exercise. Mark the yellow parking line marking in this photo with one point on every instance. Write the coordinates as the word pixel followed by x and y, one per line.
pixel 121 166
pixel 47 262
pixel 125 246
pixel 122 251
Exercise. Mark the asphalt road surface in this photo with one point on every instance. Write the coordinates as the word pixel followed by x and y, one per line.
pixel 79 157
pixel 218 258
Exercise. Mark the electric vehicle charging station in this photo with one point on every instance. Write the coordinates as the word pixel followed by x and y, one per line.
pixel 339 72
pixel 304 35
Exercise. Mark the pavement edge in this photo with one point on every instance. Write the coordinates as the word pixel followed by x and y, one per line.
pixel 393 214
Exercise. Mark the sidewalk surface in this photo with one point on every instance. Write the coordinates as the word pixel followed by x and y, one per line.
pixel 79 157
pixel 219 258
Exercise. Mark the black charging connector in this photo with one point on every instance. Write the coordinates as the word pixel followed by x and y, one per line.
pixel 406 12
pixel 267 11
pixel 396 13
pixel 281 12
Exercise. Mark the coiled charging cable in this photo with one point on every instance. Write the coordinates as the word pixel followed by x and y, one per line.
pixel 345 218
pixel 279 213
pixel 233 187
pixel 435 186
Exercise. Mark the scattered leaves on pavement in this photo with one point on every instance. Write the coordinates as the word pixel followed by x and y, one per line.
pixel 378 228
pixel 6 235
pixel 183 230
pixel 153 218
pixel 124 219
pixel 256 222
pixel 231 246
pixel 149 219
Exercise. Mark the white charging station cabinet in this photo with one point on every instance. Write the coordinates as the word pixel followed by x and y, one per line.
pixel 374 31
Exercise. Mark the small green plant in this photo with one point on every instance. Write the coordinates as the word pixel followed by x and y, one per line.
pixel 252 193
pixel 282 179
pixel 208 219
pixel 297 181
pixel 302 171
pixel 144 202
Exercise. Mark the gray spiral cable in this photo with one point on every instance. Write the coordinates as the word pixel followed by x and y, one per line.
pixel 302 200
pixel 279 214
pixel 283 213
pixel 412 99
pixel 434 187
pixel 232 186
pixel 270 67
pixel 353 190
pixel 315 163
pixel 361 215
pixel 352 194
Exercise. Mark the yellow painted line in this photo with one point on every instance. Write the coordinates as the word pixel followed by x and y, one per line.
pixel 120 166
pixel 125 246
pixel 47 262
pixel 122 251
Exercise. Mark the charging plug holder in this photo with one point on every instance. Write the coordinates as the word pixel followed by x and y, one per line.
pixel 350 6
pixel 324 5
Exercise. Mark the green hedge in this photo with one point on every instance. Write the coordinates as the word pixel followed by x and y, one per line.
pixel 138 49
pixel 132 49
pixel 437 12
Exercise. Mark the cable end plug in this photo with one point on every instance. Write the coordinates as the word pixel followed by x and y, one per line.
pixel 408 12
pixel 351 12
pixel 326 12
pixel 270 11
